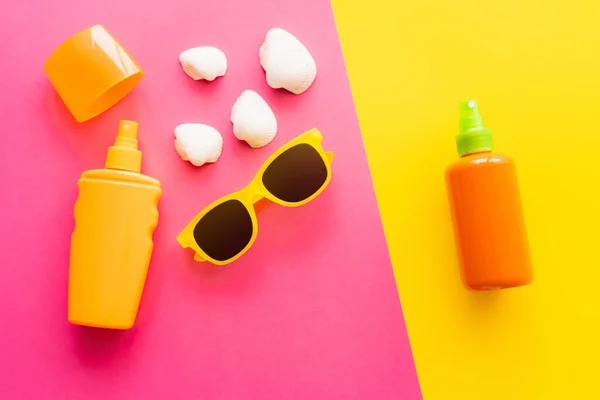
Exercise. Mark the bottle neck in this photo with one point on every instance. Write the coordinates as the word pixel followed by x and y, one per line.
pixel 476 153
pixel 125 159
pixel 124 154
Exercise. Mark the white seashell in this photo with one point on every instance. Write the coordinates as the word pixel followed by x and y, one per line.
pixel 253 120
pixel 203 63
pixel 287 62
pixel 198 143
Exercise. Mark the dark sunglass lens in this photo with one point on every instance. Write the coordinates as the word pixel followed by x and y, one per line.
pixel 296 174
pixel 224 231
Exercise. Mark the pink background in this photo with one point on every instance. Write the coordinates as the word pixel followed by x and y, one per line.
pixel 310 312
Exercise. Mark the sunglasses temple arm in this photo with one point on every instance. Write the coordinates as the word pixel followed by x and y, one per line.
pixel 329 155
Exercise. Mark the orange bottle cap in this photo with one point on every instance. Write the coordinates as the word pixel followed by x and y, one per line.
pixel 91 72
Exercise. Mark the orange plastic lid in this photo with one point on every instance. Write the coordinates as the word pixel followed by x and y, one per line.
pixel 91 72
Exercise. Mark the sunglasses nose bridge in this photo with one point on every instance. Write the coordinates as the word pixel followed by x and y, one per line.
pixel 252 195
pixel 256 197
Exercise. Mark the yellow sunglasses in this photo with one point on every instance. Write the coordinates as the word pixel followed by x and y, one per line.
pixel 293 175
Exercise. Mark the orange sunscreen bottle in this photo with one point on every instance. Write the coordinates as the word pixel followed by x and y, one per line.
pixel 486 208
pixel 115 216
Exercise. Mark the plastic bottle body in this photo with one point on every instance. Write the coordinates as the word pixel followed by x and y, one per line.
pixel 488 221
pixel 115 217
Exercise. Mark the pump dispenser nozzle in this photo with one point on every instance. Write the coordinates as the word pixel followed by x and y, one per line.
pixel 124 154
pixel 473 136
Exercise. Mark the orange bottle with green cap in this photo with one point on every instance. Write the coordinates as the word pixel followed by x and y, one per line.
pixel 488 218
pixel 115 216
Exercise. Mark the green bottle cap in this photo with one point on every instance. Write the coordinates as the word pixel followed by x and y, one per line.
pixel 473 136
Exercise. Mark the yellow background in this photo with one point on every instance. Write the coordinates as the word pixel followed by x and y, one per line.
pixel 534 67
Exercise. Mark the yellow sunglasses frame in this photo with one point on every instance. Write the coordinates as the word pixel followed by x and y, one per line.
pixel 254 192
